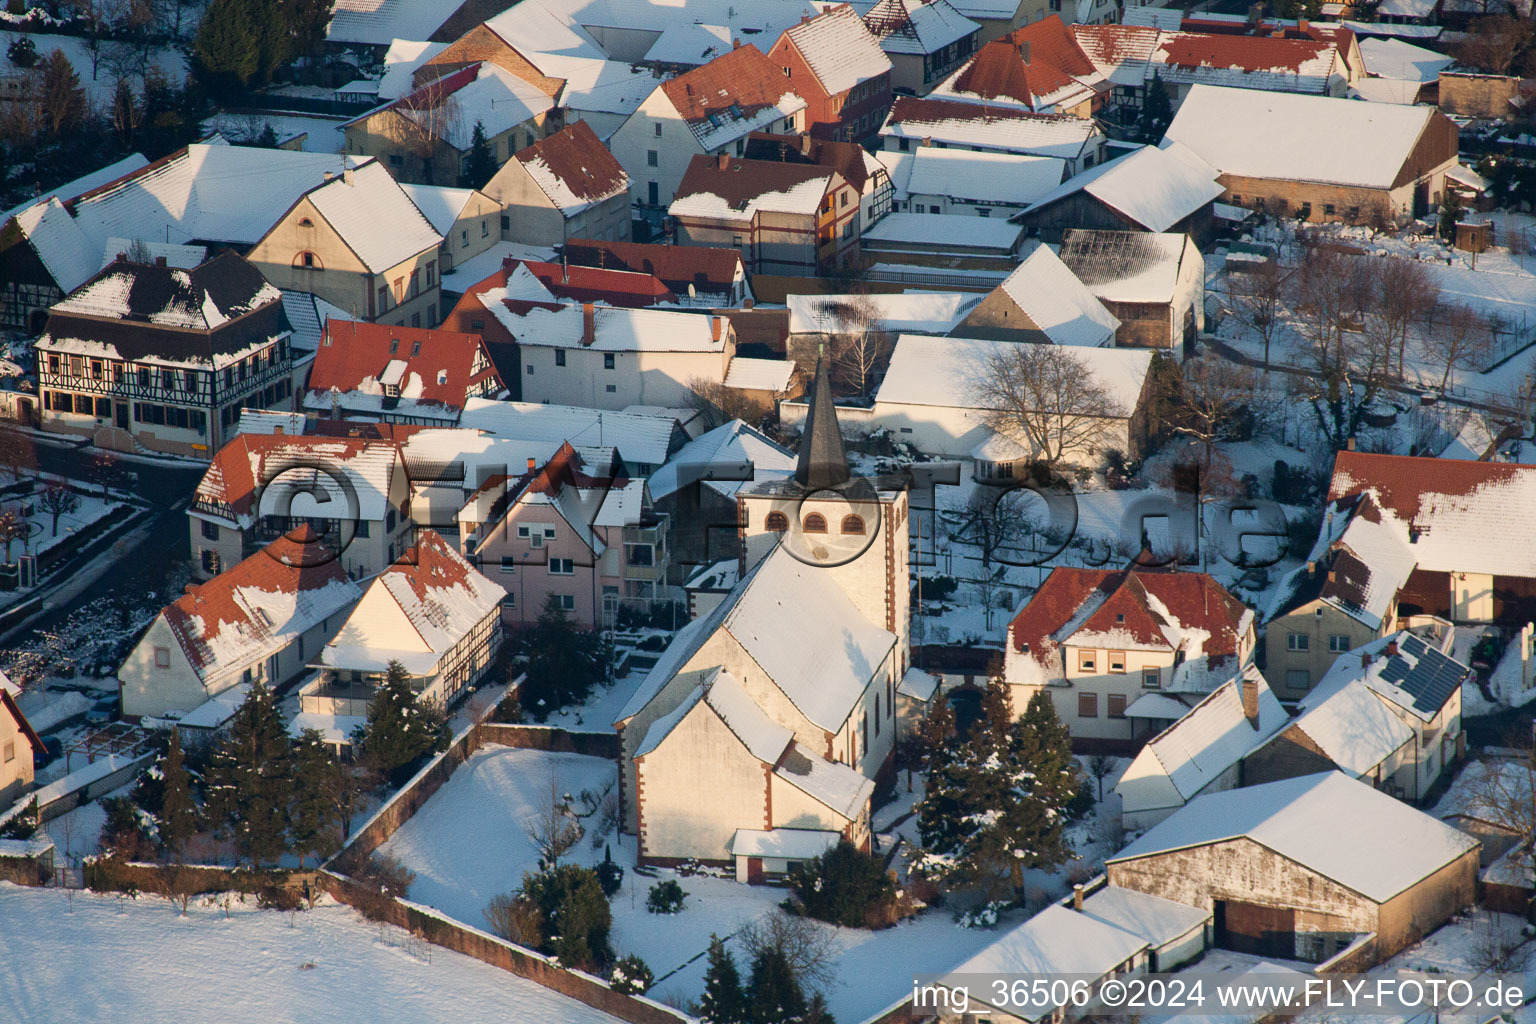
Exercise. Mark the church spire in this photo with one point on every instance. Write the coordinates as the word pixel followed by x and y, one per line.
pixel 823 463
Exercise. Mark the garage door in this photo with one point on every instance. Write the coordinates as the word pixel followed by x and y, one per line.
pixel 1251 928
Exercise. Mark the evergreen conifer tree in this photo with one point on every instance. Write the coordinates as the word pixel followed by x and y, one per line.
pixel 178 812
pixel 774 995
pixel 250 781
pixel 63 97
pixel 241 42
pixel 400 729
pixel 817 1013
pixel 724 1001
pixel 1156 110
pixel 318 782
pixel 480 165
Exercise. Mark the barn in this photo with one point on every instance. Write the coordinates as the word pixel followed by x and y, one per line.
pixel 1299 869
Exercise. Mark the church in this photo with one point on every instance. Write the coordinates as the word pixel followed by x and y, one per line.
pixel 756 739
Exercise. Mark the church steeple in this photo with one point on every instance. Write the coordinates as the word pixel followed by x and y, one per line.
pixel 823 463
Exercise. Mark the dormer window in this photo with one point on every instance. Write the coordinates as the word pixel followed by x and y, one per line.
pixel 305 222
pixel 394 345
pixel 415 348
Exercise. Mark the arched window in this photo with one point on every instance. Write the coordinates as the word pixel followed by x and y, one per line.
pixel 777 522
pixel 815 523
pixel 308 260
pixel 305 222
pixel 853 524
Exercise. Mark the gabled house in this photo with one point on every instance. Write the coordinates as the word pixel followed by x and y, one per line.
pixel 426 136
pixel 1388 713
pixel 541 281
pixel 432 612
pixel 263 619
pixel 929 399
pixel 359 242
pixel 1317 158
pixel 698 275
pixel 942 123
pixel 784 218
pixel 704 112
pixel 1299 870
pixel 398 374
pixel 925 41
pixel 1095 640
pixel 153 356
pixel 1161 190
pixel 1038 67
pixel 1153 283
pixel 952 181
pixel 1345 595
pixel 1041 301
pixel 43 257
pixel 857 165
pixel 19 747
pixel 353 491
pixel 834 62
pixel 1201 752
pixel 564 186
pixel 466 218
pixel 574 529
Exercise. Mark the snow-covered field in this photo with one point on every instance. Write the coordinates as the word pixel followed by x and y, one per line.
pixel 112 56
pixel 468 844
pixel 96 958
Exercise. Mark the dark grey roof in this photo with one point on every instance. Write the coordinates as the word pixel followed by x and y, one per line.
pixel 823 463
pixel 1429 679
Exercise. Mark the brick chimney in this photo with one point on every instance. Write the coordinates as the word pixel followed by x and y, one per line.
pixel 531 463
pixel 722 161
pixel 1077 897
pixel 714 328
pixel 746 303
pixel 1251 701
pixel 588 325
pixel 735 43
pixel 1391 647
pixel 1365 660
pixel 160 261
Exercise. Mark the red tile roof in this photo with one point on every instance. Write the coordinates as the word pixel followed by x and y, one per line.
pixel 592 284
pixel 294 564
pixel 353 355
pixel 1126 602
pixel 579 159
pixel 744 78
pixel 238 470
pixel 678 266
pixel 1245 53
pixel 998 71
pixel 1051 42
pixel 1402 482
pixel 738 181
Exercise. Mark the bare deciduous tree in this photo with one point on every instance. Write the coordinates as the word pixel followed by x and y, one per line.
pixel 806 946
pixel 1461 338
pixel 1404 294
pixel 423 124
pixel 861 345
pixel 1256 297
pixel 1046 395
pixel 13 527
pixel 553 829
pixel 721 404
pixel 1492 43
pixel 58 500
pixel 1214 391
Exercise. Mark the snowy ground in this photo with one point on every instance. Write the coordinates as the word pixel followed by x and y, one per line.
pixel 322 134
pixel 146 962
pixel 100 86
pixel 598 712
pixel 467 844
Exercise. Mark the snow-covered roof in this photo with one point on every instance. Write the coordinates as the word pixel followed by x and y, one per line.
pixel 484 94
pixel 956 123
pixel 1154 17
pixel 574 169
pixel 945 228
pixel 739 92
pixel 743 189
pixel 831 783
pixel 1055 941
pixel 211 192
pixel 184 257
pixel 258 607
pixel 1395 59
pixel 944 371
pixel 1152 918
pixel 1328 823
pixel 69 256
pixel 841 52
pixel 1386 90
pixel 374 217
pixel 536 27
pixel 379 22
pixel 1165 707
pixel 917 27
pixel 689 44
pixel 914 312
pixel 1005 179
pixel 719 576
pixel 442 205
pixel 1401 668
pixel 1351 725
pixel 1258 134
pixel 1150 186
pixel 917 684
pixel 640 439
pixel 1126 266
pixel 307 314
pixel 1246 61
pixel 83 184
pixel 782 843
pixel 1211 738
pixel 759 374
pixel 764 738
pixel 401 60
pixel 1058 303
pixel 278 470
pixel 442 598
pixel 1460 516
pixel 808 637
pixel 614 328
pixel 598 86
pixel 1406 8
pixel 724 458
